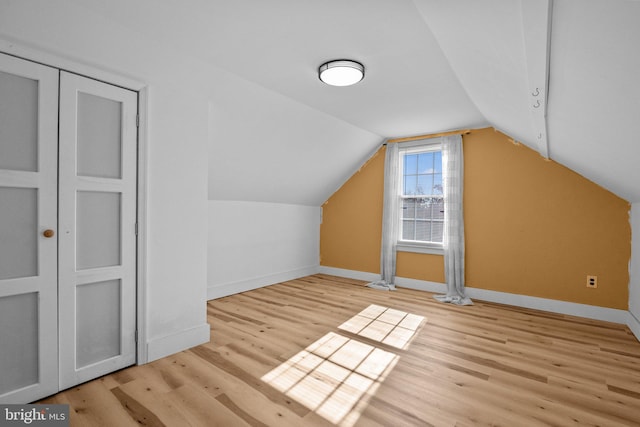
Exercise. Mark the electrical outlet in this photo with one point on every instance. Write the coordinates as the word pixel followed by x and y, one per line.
pixel 592 281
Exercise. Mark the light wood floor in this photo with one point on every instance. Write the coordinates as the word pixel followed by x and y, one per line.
pixel 280 356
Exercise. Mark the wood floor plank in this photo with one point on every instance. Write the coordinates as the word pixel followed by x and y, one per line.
pixel 92 404
pixel 200 409
pixel 220 362
pixel 278 357
pixel 143 415
pixel 189 369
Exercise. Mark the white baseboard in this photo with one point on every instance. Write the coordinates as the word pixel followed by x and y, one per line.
pixel 545 304
pixel 226 289
pixel 421 285
pixel 349 274
pixel 555 306
pixel 177 342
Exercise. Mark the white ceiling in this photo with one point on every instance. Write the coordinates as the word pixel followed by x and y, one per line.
pixel 279 44
pixel 431 66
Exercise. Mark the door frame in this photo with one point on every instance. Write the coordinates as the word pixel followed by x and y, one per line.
pixel 54 60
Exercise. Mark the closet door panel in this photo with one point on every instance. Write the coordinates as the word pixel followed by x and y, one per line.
pixel 18 122
pixel 99 136
pixel 28 226
pixel 98 323
pixel 97 211
pixel 18 230
pixel 20 349
pixel 98 220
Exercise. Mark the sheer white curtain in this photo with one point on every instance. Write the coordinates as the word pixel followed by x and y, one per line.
pixel 453 239
pixel 390 222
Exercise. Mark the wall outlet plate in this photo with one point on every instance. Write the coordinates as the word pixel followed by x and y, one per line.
pixel 592 281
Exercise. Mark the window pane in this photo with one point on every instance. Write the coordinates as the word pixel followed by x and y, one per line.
pixel 408 228
pixel 423 231
pixel 438 209
pixel 425 184
pixel 409 185
pixel 437 161
pixel 408 208
pixel 423 209
pixel 425 162
pixel 437 230
pixel 437 184
pixel 410 164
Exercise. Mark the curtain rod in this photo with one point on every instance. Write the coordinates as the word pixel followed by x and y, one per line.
pixel 433 135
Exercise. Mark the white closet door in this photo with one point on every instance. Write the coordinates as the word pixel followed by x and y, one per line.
pixel 97 208
pixel 28 203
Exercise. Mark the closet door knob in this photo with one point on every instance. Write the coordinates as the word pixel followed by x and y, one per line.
pixel 48 233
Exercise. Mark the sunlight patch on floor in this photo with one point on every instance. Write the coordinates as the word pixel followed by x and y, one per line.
pixel 386 325
pixel 336 376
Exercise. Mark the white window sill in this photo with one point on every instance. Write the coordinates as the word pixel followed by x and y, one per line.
pixel 420 248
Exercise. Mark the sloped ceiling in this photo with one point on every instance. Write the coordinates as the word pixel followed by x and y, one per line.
pixel 431 66
pixel 593 94
pixel 594 104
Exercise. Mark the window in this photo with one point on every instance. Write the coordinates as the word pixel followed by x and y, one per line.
pixel 422 198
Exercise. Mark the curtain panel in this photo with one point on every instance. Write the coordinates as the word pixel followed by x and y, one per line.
pixel 453 236
pixel 390 222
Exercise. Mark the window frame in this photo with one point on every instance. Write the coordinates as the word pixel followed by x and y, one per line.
pixel 417 246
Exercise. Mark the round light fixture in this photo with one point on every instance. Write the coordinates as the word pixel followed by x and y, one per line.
pixel 341 72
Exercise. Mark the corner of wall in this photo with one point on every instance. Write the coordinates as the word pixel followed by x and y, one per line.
pixel 634 324
pixel 633 320
pixel 174 343
pixel 256 244
pixel 226 289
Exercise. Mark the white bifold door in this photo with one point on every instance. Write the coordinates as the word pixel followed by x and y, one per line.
pixel 67 229
pixel 28 216
pixel 97 229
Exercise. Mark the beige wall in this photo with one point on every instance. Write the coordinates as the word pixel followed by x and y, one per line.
pixel 351 226
pixel 533 227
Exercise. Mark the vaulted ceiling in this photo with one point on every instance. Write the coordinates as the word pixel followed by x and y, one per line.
pixel 560 76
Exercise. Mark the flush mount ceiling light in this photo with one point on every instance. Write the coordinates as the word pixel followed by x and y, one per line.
pixel 341 72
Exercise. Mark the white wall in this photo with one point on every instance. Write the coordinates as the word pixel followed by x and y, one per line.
pixel 278 150
pixel 177 144
pixel 634 283
pixel 254 244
